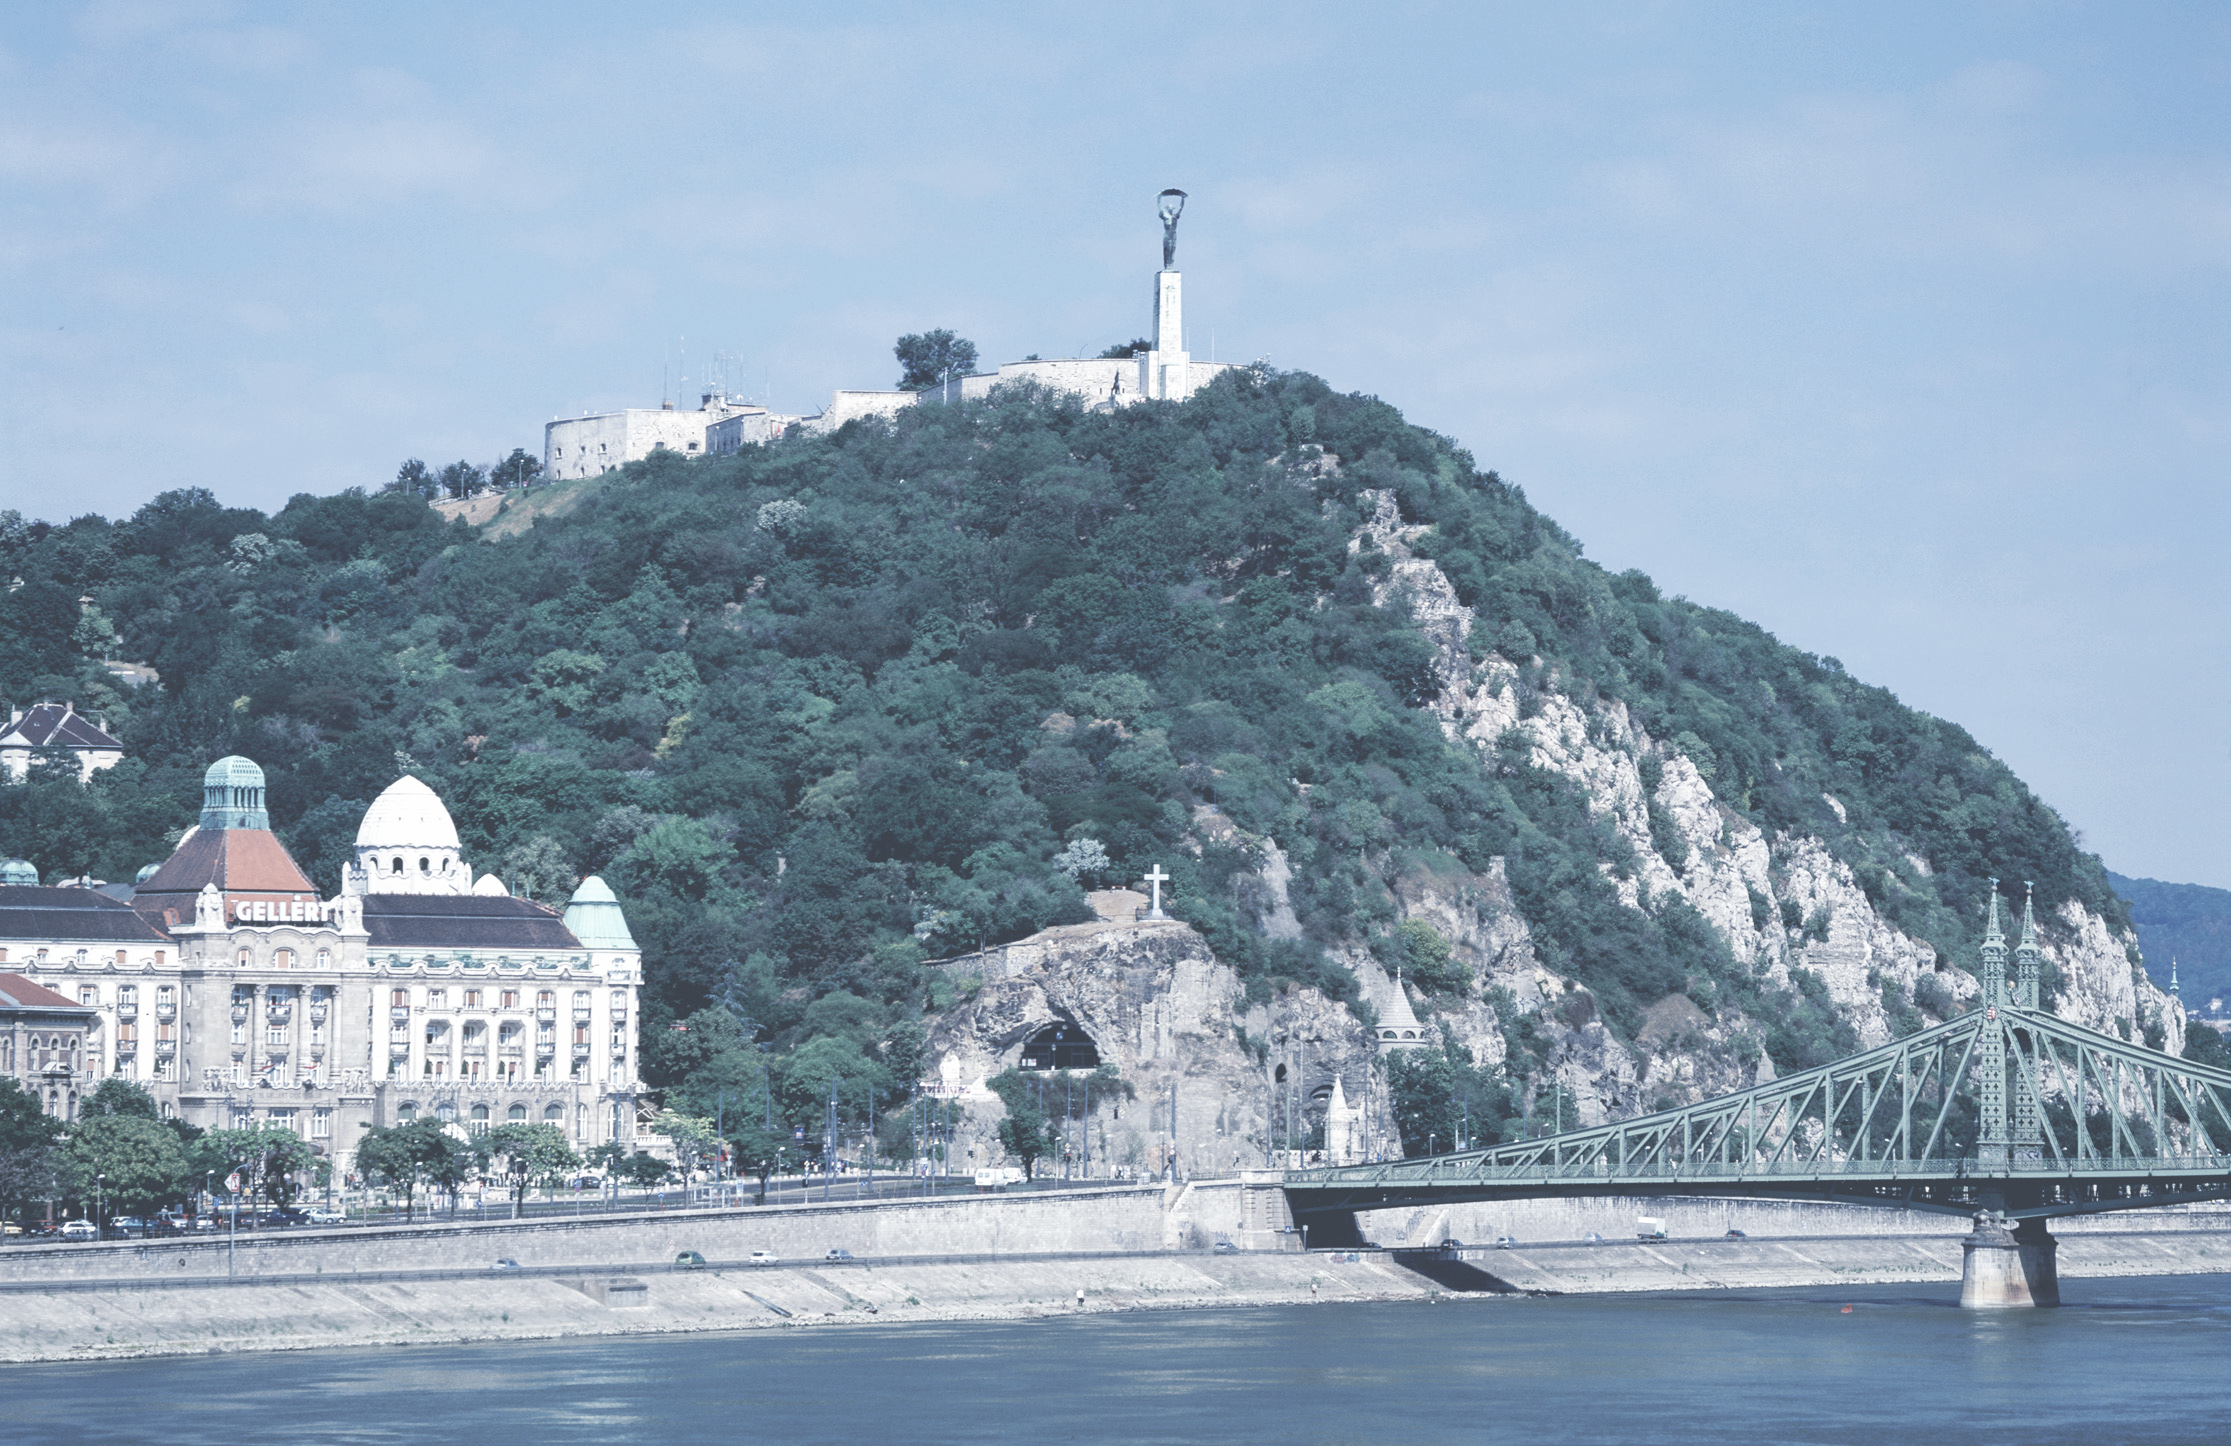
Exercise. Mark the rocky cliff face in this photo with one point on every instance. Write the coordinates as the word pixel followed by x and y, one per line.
pixel 1161 1008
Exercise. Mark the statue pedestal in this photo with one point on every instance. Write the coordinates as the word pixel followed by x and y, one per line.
pixel 2009 1268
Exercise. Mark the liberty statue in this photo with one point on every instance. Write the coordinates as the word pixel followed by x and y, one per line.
pixel 1173 205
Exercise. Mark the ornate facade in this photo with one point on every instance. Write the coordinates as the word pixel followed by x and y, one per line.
pixel 237 995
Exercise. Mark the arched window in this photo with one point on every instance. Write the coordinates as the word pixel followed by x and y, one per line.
pixel 398 865
pixel 425 865
pixel 407 1113
pixel 243 957
pixel 553 1114
pixel 518 1112
pixel 480 1112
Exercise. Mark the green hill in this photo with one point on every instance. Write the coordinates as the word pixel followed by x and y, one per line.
pixel 824 708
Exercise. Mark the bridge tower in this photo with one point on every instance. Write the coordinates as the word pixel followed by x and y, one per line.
pixel 2028 1140
pixel 1991 1047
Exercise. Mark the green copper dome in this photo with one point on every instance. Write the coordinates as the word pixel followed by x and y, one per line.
pixel 593 914
pixel 18 871
pixel 232 795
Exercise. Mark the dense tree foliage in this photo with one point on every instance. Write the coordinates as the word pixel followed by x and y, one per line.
pixel 821 708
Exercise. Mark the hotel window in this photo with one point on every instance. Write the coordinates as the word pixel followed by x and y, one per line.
pixel 127 996
pixel 89 996
pixel 325 958
pixel 82 956
pixel 511 999
pixel 321 1124
pixel 472 999
pixel 244 958
pixel 275 1034
pixel 282 958
pixel 437 999
pixel 120 958
pixel 163 998
pixel 399 998
pixel 240 1032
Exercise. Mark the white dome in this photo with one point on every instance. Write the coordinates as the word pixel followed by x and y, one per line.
pixel 409 815
pixel 491 887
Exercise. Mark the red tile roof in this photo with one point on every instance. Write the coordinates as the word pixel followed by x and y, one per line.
pixel 20 993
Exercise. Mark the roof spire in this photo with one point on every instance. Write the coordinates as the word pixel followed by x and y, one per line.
pixel 1991 931
pixel 2173 975
pixel 2029 921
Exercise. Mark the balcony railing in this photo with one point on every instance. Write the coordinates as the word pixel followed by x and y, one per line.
pixel 513 1050
pixel 398 1048
pixel 166 1011
pixel 127 1009
pixel 547 1013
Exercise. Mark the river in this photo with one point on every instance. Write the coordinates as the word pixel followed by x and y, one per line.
pixel 2126 1360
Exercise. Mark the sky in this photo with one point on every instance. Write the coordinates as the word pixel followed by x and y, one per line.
pixel 1900 329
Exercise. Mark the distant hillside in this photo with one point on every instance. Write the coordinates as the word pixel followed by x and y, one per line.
pixel 2190 923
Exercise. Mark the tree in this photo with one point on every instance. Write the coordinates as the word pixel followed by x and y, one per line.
pixel 517 470
pixel 117 1096
pixel 27 1135
pixel 759 1150
pixel 269 1155
pixel 460 479
pixel 647 1169
pixel 404 1158
pixel 932 357
pixel 412 477
pixel 1124 349
pixel 693 1138
pixel 525 1155
pixel 130 1165
pixel 1027 1132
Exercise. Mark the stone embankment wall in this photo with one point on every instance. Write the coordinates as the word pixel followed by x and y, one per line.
pixel 1120 1220
pixel 998 1256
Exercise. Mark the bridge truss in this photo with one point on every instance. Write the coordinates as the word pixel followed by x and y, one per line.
pixel 2006 1108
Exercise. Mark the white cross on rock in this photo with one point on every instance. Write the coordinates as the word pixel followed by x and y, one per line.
pixel 1155 879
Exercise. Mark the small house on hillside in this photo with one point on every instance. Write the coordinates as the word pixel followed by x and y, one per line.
pixel 47 726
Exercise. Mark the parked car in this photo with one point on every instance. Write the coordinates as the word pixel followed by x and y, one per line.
pixel 284 1215
pixel 1593 1238
pixel 763 1257
pixel 837 1257
pixel 507 1263
pixel 327 1215
pixel 80 1230
pixel 1734 1234
pixel 10 1228
pixel 1223 1247
pixel 125 1226
pixel 689 1260
pixel 1506 1242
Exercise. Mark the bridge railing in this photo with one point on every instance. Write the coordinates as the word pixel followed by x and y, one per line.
pixel 1453 1170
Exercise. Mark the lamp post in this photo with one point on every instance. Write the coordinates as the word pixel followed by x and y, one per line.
pixel 100 1209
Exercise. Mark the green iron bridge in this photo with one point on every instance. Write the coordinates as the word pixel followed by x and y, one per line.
pixel 2006 1112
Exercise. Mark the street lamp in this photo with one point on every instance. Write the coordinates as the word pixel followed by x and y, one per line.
pixel 100 1208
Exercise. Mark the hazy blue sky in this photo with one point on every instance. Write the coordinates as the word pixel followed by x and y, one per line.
pixel 1898 328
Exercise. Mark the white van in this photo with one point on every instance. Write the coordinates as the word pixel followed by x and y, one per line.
pixel 1650 1227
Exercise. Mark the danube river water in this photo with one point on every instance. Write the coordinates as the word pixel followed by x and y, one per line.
pixel 2128 1360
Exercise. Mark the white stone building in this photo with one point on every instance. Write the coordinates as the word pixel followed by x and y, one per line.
pixel 236 994
pixel 586 446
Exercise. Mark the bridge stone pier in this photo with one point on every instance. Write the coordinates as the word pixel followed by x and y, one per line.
pixel 2008 1267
